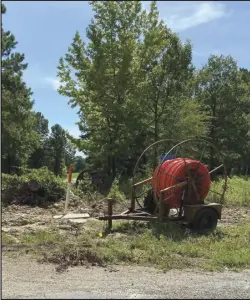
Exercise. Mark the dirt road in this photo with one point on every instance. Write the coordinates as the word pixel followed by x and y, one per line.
pixel 25 278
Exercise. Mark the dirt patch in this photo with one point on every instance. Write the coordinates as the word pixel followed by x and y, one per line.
pixel 232 216
pixel 18 219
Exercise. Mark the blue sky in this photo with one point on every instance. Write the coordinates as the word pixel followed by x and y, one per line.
pixel 44 30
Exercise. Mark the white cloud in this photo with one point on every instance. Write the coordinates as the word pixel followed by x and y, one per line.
pixel 202 13
pixel 54 83
pixel 182 15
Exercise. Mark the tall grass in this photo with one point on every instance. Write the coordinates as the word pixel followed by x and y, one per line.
pixel 237 192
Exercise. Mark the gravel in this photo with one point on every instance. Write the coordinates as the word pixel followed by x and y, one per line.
pixel 25 278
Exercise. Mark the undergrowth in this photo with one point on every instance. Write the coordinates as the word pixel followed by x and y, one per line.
pixel 165 246
pixel 115 191
pixel 15 189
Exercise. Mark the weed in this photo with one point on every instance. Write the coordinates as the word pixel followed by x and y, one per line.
pixel 115 192
pixel 161 245
pixel 7 239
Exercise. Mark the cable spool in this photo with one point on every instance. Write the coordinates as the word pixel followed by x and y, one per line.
pixel 178 170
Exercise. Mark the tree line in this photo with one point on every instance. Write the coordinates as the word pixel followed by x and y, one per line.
pixel 26 139
pixel 134 83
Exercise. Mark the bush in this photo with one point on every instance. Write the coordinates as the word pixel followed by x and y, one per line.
pixel 87 191
pixel 84 189
pixel 15 189
pixel 115 192
pixel 85 185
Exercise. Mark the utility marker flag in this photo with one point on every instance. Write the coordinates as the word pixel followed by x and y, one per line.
pixel 70 171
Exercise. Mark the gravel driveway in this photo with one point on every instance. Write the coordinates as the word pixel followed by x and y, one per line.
pixel 25 278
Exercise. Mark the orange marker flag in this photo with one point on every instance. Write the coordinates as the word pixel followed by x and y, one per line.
pixel 70 171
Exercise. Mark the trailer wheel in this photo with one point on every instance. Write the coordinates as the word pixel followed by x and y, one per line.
pixel 205 220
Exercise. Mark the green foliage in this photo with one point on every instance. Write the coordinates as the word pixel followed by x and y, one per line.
pixel 25 133
pixel 58 143
pixel 132 82
pixel 39 157
pixel 115 191
pixel 41 238
pixel 106 82
pixel 45 177
pixel 11 181
pixel 224 93
pixel 79 164
pixel 85 185
pixel 16 190
pixel 19 138
pixel 237 193
pixel 55 150
pixel 86 190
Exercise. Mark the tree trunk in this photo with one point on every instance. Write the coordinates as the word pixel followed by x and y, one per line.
pixel 109 165
pixel 113 161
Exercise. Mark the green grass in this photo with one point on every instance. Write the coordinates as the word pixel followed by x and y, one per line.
pixel 164 246
pixel 41 238
pixel 74 176
pixel 237 193
pixel 7 239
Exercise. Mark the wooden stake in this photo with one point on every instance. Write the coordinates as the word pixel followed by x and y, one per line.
pixel 110 212
pixel 70 171
pixel 133 199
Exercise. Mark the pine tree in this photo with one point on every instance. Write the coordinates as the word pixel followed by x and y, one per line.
pixel 19 138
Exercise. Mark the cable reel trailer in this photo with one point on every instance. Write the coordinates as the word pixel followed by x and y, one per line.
pixel 180 187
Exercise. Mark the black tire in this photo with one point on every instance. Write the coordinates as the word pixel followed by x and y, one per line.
pixel 205 220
